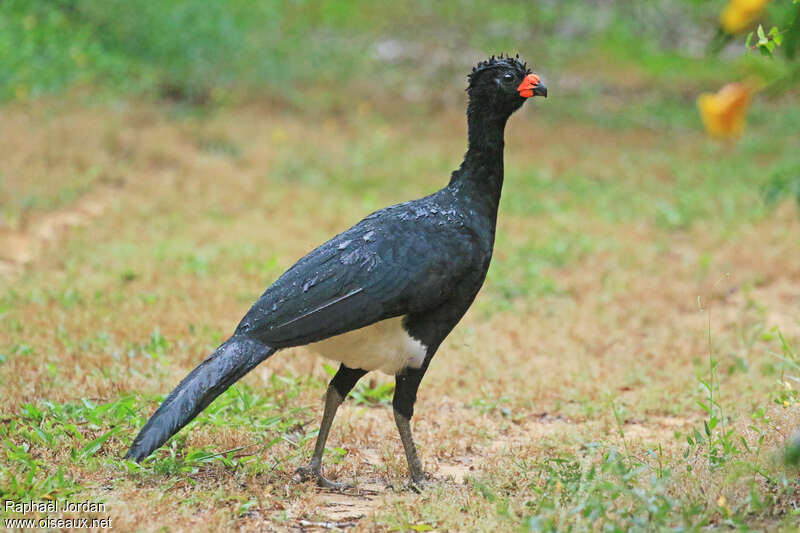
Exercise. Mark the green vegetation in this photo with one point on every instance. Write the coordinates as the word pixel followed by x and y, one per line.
pixel 196 51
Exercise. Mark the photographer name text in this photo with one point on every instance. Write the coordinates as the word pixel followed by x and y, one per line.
pixel 53 507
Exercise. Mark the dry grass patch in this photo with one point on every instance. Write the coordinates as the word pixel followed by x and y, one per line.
pixel 577 373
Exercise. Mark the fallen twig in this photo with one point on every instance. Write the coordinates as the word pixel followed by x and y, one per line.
pixel 328 525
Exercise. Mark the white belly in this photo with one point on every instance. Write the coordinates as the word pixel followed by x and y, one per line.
pixel 383 346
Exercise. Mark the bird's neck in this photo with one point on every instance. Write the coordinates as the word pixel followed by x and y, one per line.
pixel 479 179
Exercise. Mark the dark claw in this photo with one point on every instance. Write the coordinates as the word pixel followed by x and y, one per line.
pixel 308 472
pixel 420 483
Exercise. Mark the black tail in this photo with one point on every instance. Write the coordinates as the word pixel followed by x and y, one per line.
pixel 232 360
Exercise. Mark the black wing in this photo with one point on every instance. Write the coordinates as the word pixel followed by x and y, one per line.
pixel 400 260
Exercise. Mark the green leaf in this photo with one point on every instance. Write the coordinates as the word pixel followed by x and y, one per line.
pixel 32 412
pixel 93 447
pixel 421 527
pixel 46 437
pixel 776 35
pixel 744 444
pixel 762 38
pixel 244 507
pixel 698 437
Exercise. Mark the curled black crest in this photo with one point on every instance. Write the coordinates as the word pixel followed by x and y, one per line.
pixel 499 61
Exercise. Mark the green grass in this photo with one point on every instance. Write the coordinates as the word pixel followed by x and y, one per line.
pixel 196 52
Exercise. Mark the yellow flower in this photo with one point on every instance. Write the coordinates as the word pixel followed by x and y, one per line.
pixel 723 113
pixel 739 14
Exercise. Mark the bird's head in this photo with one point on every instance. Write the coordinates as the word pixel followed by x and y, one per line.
pixel 504 83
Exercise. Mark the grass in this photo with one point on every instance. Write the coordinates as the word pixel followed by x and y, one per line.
pixel 585 390
pixel 606 418
pixel 189 52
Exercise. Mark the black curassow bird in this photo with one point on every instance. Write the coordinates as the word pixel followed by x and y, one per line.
pixel 382 295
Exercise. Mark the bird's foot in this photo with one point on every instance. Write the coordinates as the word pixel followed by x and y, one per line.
pixel 309 472
pixel 415 483
pixel 420 482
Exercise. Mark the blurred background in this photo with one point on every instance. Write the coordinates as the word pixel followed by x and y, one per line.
pixel 162 162
pixel 613 64
pixel 196 52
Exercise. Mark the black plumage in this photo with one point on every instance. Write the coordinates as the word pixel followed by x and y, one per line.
pixel 404 260
pixel 423 260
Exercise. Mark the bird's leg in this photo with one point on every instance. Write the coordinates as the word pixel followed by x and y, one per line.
pixel 414 465
pixel 314 469
pixel 340 385
pixel 405 395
